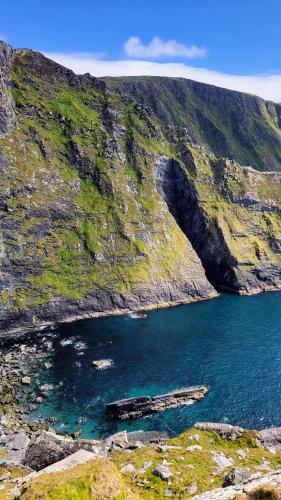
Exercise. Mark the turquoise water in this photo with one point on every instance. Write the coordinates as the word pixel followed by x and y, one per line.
pixel 231 344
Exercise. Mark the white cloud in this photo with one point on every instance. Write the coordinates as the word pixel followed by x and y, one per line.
pixel 158 48
pixel 267 86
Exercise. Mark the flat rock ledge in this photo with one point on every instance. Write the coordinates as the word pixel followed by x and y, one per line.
pixel 230 492
pixel 144 405
pixel 225 431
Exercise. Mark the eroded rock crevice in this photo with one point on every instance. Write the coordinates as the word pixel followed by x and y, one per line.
pixel 208 242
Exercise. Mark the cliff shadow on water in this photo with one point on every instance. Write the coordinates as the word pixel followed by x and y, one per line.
pixel 180 196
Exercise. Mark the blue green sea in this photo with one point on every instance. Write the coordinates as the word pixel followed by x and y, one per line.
pixel 231 344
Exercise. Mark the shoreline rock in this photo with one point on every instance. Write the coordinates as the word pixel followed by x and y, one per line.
pixel 143 405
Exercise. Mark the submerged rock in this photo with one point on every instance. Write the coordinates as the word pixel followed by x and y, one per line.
pixel 102 364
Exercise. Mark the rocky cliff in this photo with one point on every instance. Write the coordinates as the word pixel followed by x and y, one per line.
pixel 231 124
pixel 105 208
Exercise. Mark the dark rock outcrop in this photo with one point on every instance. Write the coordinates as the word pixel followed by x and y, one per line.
pixel 143 405
pixel 225 431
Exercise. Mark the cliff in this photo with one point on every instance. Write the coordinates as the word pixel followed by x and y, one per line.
pixel 105 208
pixel 231 124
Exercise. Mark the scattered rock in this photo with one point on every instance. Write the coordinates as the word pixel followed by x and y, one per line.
pixel 191 490
pixel 47 365
pixel 168 493
pixel 195 447
pixel 102 364
pixel 241 453
pixel 163 472
pixel 194 437
pixel 26 380
pixel 127 468
pixel 238 475
pixel 120 439
pixel 221 460
pixel 270 439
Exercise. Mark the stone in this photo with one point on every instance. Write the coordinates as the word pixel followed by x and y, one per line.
pixel 241 453
pixel 191 490
pixel 18 441
pixel 47 448
pixel 225 431
pixel 221 460
pixel 194 437
pixel 237 475
pixel 163 472
pixel 168 493
pixel 26 380
pixel 102 364
pixel 195 447
pixel 146 437
pixel 120 439
pixel 127 468
pixel 270 439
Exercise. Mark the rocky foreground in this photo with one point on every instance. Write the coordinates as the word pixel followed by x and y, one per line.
pixel 211 461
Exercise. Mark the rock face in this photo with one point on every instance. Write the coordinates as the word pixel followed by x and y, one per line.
pixel 105 210
pixel 47 448
pixel 7 112
pixel 270 439
pixel 83 229
pixel 139 406
pixel 225 431
pixel 229 124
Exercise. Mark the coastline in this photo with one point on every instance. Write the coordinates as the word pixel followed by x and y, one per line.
pixel 22 330
pixel 107 313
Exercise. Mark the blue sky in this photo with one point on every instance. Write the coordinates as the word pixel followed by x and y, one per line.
pixel 239 38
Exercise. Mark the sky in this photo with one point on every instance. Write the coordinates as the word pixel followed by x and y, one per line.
pixel 229 43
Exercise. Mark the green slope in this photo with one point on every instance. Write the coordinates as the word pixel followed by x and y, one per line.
pixel 228 123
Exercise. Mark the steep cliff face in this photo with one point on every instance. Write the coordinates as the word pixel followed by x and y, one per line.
pixel 103 208
pixel 229 124
pixel 83 229
pixel 231 215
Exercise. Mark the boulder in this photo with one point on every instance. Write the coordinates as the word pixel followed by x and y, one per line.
pixel 238 475
pixel 221 460
pixel 195 447
pixel 120 440
pixel 15 446
pixel 163 472
pixel 26 380
pixel 146 437
pixel 47 448
pixel 270 439
pixel 225 431
pixel 102 364
pixel 127 468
